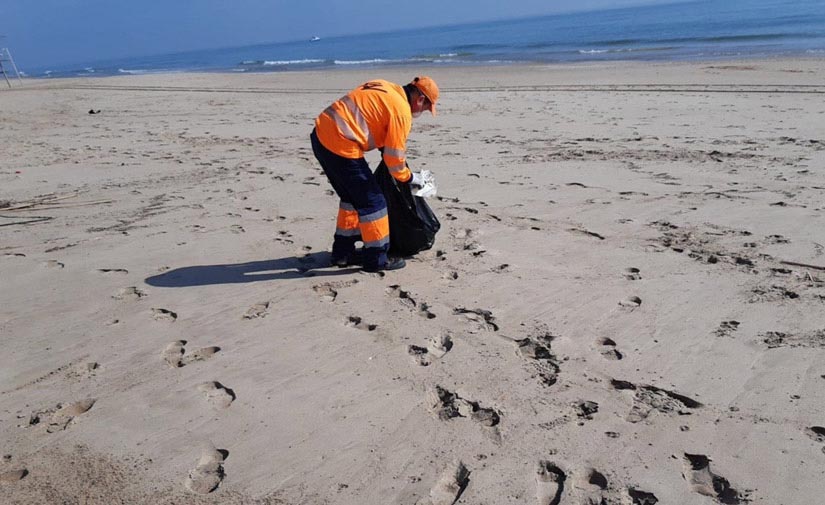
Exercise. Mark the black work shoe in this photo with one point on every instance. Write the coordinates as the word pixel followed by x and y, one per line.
pixel 354 258
pixel 391 264
pixel 339 262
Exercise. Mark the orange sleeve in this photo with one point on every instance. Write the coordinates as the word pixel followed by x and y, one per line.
pixel 395 146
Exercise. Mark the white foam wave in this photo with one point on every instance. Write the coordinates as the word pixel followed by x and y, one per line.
pixel 593 51
pixel 151 71
pixel 291 62
pixel 360 62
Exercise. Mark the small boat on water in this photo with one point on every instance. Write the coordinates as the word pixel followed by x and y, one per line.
pixel 315 39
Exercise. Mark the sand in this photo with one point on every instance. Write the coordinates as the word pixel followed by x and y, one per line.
pixel 624 304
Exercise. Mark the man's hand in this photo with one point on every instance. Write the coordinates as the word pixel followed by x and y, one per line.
pixel 417 179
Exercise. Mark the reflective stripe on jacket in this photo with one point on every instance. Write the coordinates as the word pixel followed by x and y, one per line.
pixel 372 116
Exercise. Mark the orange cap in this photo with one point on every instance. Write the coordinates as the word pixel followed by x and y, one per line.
pixel 429 88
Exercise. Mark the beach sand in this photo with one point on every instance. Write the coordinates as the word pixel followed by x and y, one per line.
pixel 617 309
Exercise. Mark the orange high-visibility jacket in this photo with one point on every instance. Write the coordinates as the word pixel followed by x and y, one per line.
pixel 373 115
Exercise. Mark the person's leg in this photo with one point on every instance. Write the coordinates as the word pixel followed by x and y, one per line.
pixel 373 221
pixel 355 183
pixel 347 231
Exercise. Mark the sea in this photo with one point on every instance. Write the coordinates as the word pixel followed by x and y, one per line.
pixel 692 30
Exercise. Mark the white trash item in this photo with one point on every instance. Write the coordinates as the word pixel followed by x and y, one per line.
pixel 428 189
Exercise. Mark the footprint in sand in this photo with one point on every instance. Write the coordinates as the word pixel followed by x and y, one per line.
pixel 407 299
pixel 12 476
pixel 589 233
pixel 53 264
pixel 129 293
pixel 257 311
pixel 328 291
pixel 585 409
pixel 589 486
pixel 816 433
pixel 357 322
pixel 726 328
pixel 697 473
pixel 173 354
pixel 285 237
pixel 484 318
pixel 218 395
pixel 207 476
pixel 638 497
pixel 436 348
pixel 122 271
pixel 440 345
pixel 419 355
pixel 65 414
pixel 446 405
pixel 632 274
pixel 607 348
pixel 452 482
pixel 631 302
pixel 450 276
pixel 236 228
pixel 424 311
pixel 651 398
pixel 164 315
pixel 539 354
pixel 549 483
pixel 201 354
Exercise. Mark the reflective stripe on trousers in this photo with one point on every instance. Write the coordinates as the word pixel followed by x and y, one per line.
pixel 362 211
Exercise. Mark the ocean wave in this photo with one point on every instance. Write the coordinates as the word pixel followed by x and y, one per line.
pixel 363 62
pixel 433 57
pixel 627 50
pixel 291 62
pixel 151 71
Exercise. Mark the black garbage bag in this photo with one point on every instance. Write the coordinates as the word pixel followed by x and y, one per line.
pixel 413 224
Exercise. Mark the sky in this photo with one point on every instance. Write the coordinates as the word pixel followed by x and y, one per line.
pixel 40 33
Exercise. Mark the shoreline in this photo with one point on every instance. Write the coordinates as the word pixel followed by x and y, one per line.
pixel 287 66
pixel 796 71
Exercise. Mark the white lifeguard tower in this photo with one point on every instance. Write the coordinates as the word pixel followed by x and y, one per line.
pixel 7 60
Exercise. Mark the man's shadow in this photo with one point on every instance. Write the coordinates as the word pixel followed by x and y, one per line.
pixel 293 267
